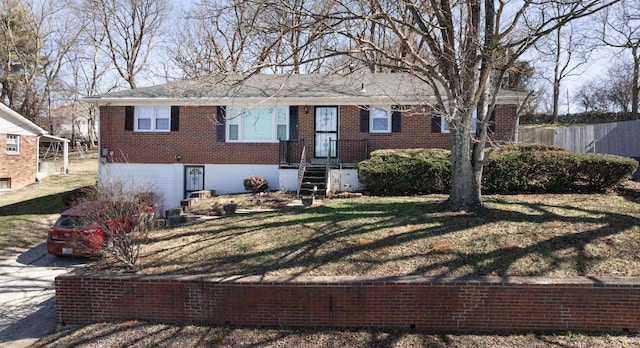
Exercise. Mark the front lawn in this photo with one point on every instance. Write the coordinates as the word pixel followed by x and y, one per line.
pixel 27 214
pixel 523 235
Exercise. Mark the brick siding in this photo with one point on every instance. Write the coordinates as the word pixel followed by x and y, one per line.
pixel 20 168
pixel 484 304
pixel 195 141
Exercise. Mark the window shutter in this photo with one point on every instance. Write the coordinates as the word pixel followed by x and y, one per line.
pixel 435 124
pixel 128 118
pixel 220 124
pixel 293 122
pixel 396 121
pixel 175 118
pixel 492 122
pixel 364 120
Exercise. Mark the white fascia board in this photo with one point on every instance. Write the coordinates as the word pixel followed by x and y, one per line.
pixel 274 101
pixel 21 121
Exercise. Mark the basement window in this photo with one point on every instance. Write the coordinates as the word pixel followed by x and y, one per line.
pixel 5 183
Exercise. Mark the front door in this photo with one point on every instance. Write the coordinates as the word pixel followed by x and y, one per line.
pixel 326 133
pixel 193 179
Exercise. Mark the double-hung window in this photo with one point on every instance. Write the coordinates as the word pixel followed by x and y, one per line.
pixel 257 124
pixel 13 144
pixel 380 119
pixel 153 119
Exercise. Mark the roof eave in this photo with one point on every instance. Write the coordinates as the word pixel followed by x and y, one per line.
pixel 348 100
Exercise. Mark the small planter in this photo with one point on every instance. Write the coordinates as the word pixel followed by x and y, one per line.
pixel 229 209
pixel 307 201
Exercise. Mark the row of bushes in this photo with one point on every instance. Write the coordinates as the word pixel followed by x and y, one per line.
pixel 513 169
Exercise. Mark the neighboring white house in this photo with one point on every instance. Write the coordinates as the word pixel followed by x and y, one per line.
pixel 20 148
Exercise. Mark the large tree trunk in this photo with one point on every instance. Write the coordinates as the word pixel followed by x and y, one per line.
pixel 465 190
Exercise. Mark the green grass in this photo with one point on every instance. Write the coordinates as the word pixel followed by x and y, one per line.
pixel 26 214
pixel 523 235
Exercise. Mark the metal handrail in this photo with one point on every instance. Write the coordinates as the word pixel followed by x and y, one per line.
pixel 301 168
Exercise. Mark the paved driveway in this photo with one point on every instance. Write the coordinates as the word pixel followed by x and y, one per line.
pixel 27 302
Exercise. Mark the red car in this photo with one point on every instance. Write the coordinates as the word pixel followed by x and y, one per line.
pixel 75 234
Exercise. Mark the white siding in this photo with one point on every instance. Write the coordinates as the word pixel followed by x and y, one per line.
pixel 229 178
pixel 167 179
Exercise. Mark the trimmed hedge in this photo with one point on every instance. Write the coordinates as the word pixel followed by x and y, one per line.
pixel 513 169
pixel 406 171
pixel 550 169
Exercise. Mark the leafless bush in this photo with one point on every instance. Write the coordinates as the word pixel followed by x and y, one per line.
pixel 125 214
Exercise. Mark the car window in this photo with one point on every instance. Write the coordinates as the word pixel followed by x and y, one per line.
pixel 73 221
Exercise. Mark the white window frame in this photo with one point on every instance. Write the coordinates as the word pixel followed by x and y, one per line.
pixel 444 125
pixel 156 114
pixel 13 140
pixel 236 118
pixel 376 112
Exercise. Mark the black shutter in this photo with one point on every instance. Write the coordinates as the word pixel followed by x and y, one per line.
pixel 128 118
pixel 396 119
pixel 293 122
pixel 492 121
pixel 175 118
pixel 220 124
pixel 435 124
pixel 364 119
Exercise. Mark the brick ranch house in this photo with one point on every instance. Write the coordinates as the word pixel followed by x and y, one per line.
pixel 19 148
pixel 211 133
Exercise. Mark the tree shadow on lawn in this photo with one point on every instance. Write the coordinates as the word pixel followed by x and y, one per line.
pixel 324 233
pixel 49 204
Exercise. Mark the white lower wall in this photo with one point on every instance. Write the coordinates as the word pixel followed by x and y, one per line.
pixel 344 180
pixel 229 178
pixel 168 179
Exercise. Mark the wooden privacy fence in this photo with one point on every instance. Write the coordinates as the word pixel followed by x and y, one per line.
pixel 616 138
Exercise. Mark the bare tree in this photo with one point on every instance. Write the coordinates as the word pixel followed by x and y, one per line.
pixel 453 46
pixel 221 37
pixel 125 213
pixel 37 38
pixel 610 92
pixel 621 30
pixel 567 50
pixel 130 29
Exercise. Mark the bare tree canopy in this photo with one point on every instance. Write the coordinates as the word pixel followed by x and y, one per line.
pixel 621 30
pixel 35 41
pixel 456 45
pixel 130 28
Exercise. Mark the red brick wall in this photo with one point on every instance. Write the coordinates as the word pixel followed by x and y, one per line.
pixel 21 168
pixel 474 304
pixel 195 141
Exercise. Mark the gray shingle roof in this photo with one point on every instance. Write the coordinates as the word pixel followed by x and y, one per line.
pixel 348 88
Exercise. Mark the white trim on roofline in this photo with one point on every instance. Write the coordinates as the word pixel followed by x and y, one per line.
pixel 21 121
pixel 386 100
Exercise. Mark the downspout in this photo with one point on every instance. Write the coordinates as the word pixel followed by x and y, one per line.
pixel 38 156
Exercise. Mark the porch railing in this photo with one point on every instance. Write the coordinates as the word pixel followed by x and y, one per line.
pixel 348 151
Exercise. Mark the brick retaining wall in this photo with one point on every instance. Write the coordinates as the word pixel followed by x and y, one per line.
pixel 478 304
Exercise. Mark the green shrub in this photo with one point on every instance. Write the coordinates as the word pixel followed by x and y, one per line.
pixel 406 171
pixel 255 184
pixel 512 169
pixel 549 169
pixel 601 172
